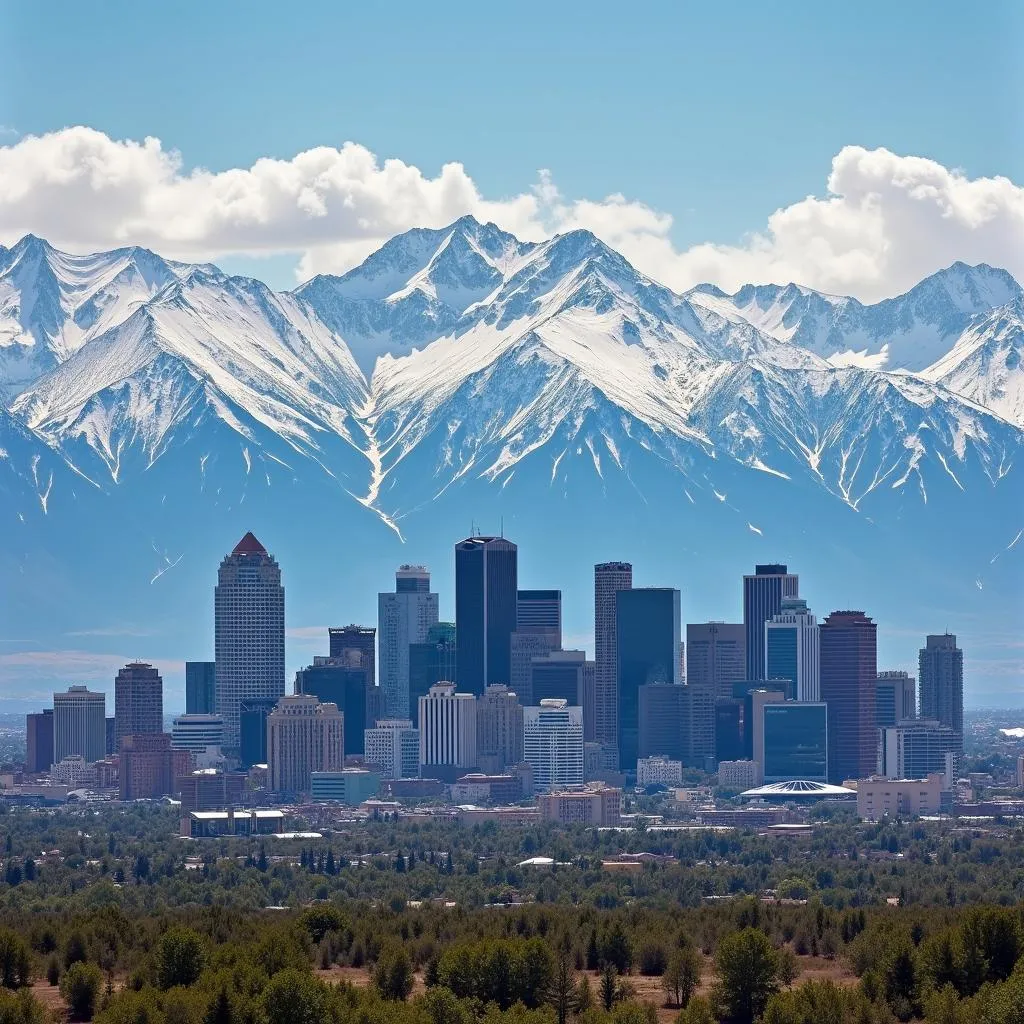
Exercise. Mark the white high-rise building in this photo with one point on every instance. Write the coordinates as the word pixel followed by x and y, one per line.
pixel 79 724
pixel 403 618
pixel 394 746
pixel 248 632
pixel 303 736
pixel 447 728
pixel 197 733
pixel 553 743
pixel 793 649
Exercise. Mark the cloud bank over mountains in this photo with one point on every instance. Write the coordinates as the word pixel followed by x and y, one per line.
pixel 883 222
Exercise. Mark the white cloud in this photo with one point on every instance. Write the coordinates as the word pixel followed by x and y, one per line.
pixel 885 221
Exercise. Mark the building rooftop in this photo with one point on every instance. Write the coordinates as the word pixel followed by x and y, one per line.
pixel 249 545
pixel 797 789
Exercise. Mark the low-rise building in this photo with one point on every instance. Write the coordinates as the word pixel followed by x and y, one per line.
pixel 478 788
pixel 206 790
pixel 210 824
pixel 654 770
pixel 471 815
pixel 740 775
pixel 879 797
pixel 594 804
pixel 351 786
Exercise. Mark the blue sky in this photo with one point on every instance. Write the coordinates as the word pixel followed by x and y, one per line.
pixel 716 114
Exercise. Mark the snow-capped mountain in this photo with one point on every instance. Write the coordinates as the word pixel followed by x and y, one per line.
pixel 909 332
pixel 987 362
pixel 461 375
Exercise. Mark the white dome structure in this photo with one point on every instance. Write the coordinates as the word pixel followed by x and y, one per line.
pixel 799 789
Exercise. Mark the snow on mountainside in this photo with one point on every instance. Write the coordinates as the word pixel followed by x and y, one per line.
pixel 52 303
pixel 208 346
pixel 987 362
pixel 909 332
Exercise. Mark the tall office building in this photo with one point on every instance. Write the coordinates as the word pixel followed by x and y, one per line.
pixel 647 651
pixel 403 618
pixel 393 745
pixel 355 647
pixel 849 671
pixel 447 730
pixel 200 687
pixel 138 701
pixel 499 729
pixel 486 609
pixel 248 631
pixel 699 725
pixel 252 729
pixel 895 698
pixel 941 673
pixel 149 766
pixel 111 735
pixel 609 579
pixel 716 655
pixel 304 735
pixel 589 702
pixel 39 741
pixel 430 662
pixel 792 649
pixel 917 747
pixel 79 724
pixel 759 700
pixel 539 611
pixel 662 711
pixel 762 598
pixel 557 675
pixel 553 744
pixel 342 681
pixel 794 741
pixel 729 739
pixel 202 735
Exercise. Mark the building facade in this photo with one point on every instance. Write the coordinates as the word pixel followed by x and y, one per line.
pixel 447 729
pixel 659 770
pixel 197 734
pixel 895 698
pixel 149 766
pixel 715 655
pixel 553 744
pixel 794 742
pixel 762 598
pixel 252 730
pixel 915 748
pixel 345 682
pixel 200 687
pixel 594 805
pixel 662 721
pixel 304 735
pixel 941 672
pixel 39 741
pixel 539 611
pixel 499 729
pixel 557 675
pixel 350 786
pixel 248 632
pixel 486 608
pixel 793 649
pixel 741 775
pixel 849 673
pixel 403 618
pixel 138 701
pixel 430 662
pixel 393 745
pixel 879 798
pixel 647 631
pixel 609 579
pixel 79 724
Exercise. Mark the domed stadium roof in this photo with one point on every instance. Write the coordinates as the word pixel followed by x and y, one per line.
pixel 797 789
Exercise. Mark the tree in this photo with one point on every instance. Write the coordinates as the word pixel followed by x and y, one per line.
pixel 294 997
pixel 593 956
pixel 15 960
pixel 80 987
pixel 561 993
pixel 393 973
pixel 697 1011
pixel 180 958
pixel 220 1009
pixel 682 975
pixel 616 949
pixel 748 975
pixel 74 949
pixel 52 971
pixel 789 969
pixel 610 989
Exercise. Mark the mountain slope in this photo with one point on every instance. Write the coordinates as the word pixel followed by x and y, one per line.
pixel 985 364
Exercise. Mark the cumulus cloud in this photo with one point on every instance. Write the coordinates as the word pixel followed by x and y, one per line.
pixel 883 222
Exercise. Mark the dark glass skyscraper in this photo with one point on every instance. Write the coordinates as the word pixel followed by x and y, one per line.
pixel 662 717
pixel 344 683
pixel 430 662
pixel 849 671
pixel 609 579
pixel 762 598
pixel 248 631
pixel 252 729
pixel 539 611
pixel 941 674
pixel 356 647
pixel 486 607
pixel 647 630
pixel 795 742
pixel 200 687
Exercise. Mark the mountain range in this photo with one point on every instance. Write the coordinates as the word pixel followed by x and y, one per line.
pixel 153 411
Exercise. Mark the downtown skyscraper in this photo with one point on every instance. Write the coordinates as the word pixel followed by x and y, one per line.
pixel 762 598
pixel 849 674
pixel 248 632
pixel 792 644
pixel 138 701
pixel 486 605
pixel 941 680
pixel 403 618
pixel 609 579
